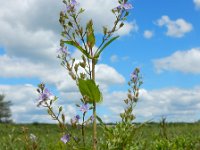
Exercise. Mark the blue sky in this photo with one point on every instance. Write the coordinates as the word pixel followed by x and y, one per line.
pixel 160 37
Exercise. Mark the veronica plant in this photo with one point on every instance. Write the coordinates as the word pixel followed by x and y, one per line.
pixel 83 72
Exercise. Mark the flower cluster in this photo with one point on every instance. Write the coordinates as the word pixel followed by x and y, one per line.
pixel 44 95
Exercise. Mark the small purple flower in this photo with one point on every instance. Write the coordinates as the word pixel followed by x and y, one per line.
pixel 134 76
pixel 74 2
pixel 75 119
pixel 125 6
pixel 65 138
pixel 45 95
pixel 71 6
pixel 63 50
pixel 84 108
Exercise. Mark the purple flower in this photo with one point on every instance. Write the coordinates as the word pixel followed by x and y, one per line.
pixel 45 95
pixel 65 138
pixel 84 108
pixel 71 6
pixel 63 50
pixel 75 119
pixel 134 76
pixel 74 2
pixel 125 6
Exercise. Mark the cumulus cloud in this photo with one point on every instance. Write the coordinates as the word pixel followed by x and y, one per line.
pixel 100 12
pixel 175 103
pixel 12 67
pixel 148 34
pixel 184 61
pixel 24 104
pixel 197 3
pixel 31 30
pixel 177 28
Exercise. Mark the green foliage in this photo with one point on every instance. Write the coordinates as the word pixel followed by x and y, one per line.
pixel 181 137
pixel 5 112
pixel 105 45
pixel 90 90
pixel 90 35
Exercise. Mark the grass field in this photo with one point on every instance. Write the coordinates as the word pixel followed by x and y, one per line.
pixel 152 136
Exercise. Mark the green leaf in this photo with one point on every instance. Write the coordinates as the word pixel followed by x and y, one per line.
pixel 90 35
pixel 75 44
pixel 90 89
pixel 99 119
pixel 97 54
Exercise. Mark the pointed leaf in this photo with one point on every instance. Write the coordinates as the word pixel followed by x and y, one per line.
pixel 105 45
pixel 90 89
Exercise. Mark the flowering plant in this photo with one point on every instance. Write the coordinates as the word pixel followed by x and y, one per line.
pixel 84 40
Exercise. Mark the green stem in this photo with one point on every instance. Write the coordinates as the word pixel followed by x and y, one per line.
pixel 94 111
pixel 83 130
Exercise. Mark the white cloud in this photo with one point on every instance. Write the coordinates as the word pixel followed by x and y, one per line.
pixel 24 105
pixel 100 12
pixel 197 3
pixel 127 28
pixel 108 75
pixel 114 58
pixel 177 28
pixel 148 34
pixel 171 102
pixel 184 61
pixel 12 67
pixel 175 103
pixel 31 30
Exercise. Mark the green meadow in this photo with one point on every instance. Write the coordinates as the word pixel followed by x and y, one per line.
pixel 150 136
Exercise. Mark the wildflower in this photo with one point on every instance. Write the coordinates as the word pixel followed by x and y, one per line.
pixel 84 108
pixel 32 137
pixel 75 119
pixel 63 50
pixel 45 95
pixel 71 6
pixel 125 6
pixel 134 76
pixel 65 138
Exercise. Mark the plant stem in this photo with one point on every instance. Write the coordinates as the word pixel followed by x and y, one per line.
pixel 83 129
pixel 94 111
